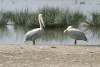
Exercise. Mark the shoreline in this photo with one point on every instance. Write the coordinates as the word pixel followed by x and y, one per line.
pixel 49 56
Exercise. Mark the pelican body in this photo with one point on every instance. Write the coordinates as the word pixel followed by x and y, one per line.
pixel 35 33
pixel 75 34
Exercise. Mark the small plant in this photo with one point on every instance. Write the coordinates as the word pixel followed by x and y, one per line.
pixel 49 14
pixel 95 21
pixel 82 2
pixel 32 20
pixel 20 18
pixel 75 18
pixel 4 17
pixel 61 19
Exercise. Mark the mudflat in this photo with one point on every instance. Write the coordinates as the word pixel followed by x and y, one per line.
pixel 49 56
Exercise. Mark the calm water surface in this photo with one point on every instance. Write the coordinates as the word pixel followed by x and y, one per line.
pixel 15 34
pixel 34 5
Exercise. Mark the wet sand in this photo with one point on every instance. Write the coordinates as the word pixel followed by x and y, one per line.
pixel 49 56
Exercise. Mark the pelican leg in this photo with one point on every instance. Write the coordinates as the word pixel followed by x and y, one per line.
pixel 33 42
pixel 75 42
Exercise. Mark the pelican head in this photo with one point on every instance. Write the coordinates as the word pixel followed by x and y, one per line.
pixel 70 27
pixel 41 19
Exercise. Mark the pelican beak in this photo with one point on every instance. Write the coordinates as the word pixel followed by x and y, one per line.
pixel 64 31
pixel 41 19
pixel 23 41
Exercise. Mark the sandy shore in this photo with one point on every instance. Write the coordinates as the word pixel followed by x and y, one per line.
pixel 49 56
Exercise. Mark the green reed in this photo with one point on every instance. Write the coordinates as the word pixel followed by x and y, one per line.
pixel 20 17
pixel 5 17
pixel 53 17
pixel 50 16
pixel 75 18
pixel 95 21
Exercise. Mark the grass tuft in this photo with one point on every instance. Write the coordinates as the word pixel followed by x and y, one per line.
pixel 4 17
pixel 53 17
pixel 95 21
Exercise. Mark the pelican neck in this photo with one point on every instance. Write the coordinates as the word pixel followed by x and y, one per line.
pixel 41 26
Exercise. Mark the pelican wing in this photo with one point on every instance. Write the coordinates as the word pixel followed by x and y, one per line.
pixel 31 34
pixel 78 33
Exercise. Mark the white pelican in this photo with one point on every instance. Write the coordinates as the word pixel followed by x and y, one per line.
pixel 35 33
pixel 75 34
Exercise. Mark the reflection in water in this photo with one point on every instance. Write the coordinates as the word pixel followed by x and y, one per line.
pixel 15 34
pixel 4 33
pixel 53 36
pixel 8 35
pixel 93 33
pixel 19 32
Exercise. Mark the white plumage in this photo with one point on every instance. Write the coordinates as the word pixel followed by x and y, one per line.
pixel 35 33
pixel 75 34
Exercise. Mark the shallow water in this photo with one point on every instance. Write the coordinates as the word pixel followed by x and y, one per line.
pixel 15 34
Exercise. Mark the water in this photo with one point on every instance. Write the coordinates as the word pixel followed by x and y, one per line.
pixel 34 5
pixel 15 34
